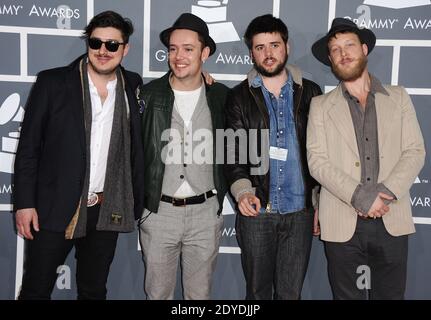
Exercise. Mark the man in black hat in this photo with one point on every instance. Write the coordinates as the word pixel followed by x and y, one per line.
pixel 365 148
pixel 186 188
pixel 275 213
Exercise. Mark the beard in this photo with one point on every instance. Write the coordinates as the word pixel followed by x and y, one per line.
pixel 264 72
pixel 352 74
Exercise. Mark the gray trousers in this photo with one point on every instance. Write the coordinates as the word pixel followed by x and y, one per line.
pixel 191 232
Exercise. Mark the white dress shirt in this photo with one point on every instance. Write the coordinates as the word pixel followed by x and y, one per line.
pixel 101 128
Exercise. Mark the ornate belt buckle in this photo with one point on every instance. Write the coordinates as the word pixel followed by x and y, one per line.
pixel 92 199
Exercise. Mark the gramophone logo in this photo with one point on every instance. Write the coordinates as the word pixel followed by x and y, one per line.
pixel 10 111
pixel 214 13
pixel 397 4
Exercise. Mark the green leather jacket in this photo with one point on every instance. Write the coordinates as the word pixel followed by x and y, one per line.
pixel 156 99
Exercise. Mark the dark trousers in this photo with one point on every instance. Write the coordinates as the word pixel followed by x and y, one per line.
pixel 275 250
pixel 372 256
pixel 48 250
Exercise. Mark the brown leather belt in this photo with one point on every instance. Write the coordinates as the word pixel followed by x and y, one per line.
pixel 181 202
pixel 94 199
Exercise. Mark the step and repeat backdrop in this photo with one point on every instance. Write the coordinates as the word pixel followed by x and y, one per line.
pixel 42 34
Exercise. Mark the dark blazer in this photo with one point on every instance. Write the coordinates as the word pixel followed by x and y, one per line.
pixel 159 100
pixel 50 162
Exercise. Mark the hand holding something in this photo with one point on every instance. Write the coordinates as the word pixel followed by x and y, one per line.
pixel 245 205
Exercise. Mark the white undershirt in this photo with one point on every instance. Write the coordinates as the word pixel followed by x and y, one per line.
pixel 101 127
pixel 185 104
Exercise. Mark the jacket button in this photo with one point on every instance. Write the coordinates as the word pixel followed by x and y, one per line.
pixel 357 164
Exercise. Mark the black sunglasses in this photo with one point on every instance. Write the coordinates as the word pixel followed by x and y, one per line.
pixel 110 45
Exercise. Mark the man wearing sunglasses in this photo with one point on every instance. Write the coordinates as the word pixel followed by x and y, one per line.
pixel 77 179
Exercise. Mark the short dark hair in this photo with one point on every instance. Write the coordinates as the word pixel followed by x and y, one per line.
pixel 201 40
pixel 110 19
pixel 265 24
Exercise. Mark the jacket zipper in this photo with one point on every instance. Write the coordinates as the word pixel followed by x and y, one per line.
pixel 268 205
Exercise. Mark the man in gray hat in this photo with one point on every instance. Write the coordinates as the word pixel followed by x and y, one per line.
pixel 365 148
pixel 186 188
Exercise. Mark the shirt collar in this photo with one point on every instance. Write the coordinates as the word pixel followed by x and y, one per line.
pixel 109 86
pixel 257 81
pixel 375 87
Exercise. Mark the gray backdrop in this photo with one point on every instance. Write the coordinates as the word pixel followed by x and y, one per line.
pixel 40 34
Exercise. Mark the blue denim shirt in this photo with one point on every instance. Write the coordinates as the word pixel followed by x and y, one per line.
pixel 286 191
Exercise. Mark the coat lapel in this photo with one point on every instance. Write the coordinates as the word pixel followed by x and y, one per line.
pixel 75 92
pixel 342 120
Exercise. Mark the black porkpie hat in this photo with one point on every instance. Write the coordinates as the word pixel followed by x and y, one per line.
pixel 320 47
pixel 190 22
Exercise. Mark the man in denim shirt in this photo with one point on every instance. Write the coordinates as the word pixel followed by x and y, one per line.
pixel 275 221
pixel 286 182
